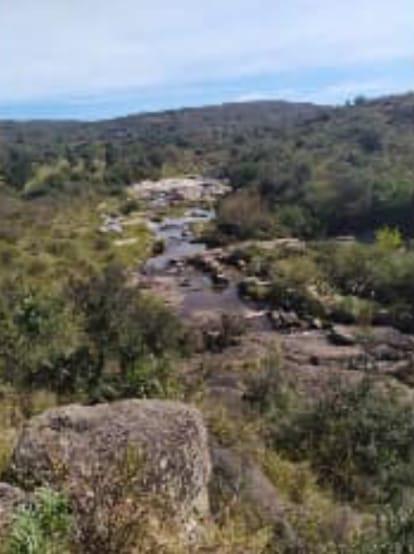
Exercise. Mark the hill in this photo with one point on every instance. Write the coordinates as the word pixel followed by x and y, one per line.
pixel 356 159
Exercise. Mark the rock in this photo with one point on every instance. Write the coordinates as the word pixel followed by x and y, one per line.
pixel 206 262
pixel 404 372
pixel 383 317
pixel 386 353
pixel 289 245
pixel 316 324
pixel 341 336
pixel 311 362
pixel 172 190
pixel 158 247
pixel 254 288
pixel 221 280
pixel 282 320
pixel 234 475
pixel 11 498
pixel 64 446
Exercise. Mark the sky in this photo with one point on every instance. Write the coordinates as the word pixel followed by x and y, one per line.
pixel 93 59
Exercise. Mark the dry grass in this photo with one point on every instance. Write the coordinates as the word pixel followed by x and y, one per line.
pixel 320 522
pixel 15 408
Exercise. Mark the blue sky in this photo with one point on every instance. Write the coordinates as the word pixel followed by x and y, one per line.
pixel 90 59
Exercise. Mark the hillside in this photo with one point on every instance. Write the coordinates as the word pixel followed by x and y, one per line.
pixel 357 159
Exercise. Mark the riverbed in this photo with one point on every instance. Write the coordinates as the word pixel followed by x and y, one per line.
pixel 191 291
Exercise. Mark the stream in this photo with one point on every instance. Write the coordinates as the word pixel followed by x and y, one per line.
pixel 194 290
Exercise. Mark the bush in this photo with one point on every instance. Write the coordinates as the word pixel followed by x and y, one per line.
pixel 38 330
pixel 129 206
pixel 43 528
pixel 244 215
pixel 359 441
pixel 267 389
pixel 394 534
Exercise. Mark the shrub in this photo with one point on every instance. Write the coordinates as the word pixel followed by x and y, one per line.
pixel 267 389
pixel 393 534
pixel 129 206
pixel 37 331
pixel 359 441
pixel 43 528
pixel 244 215
pixel 388 240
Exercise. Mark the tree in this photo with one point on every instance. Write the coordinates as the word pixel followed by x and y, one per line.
pixel 123 325
pixel 38 333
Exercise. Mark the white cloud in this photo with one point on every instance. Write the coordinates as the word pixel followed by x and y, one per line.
pixel 336 93
pixel 62 47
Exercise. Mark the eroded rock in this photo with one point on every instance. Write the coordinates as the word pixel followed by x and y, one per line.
pixel 64 446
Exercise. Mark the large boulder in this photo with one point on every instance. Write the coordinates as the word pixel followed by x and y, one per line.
pixel 64 447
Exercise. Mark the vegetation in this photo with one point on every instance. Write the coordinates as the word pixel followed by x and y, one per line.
pixel 316 170
pixel 99 337
pixel 74 326
pixel 43 528
pixel 358 441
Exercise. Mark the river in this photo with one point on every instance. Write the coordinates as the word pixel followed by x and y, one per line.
pixel 195 293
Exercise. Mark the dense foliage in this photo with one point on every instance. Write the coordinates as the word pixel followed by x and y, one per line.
pixel 358 441
pixel 99 336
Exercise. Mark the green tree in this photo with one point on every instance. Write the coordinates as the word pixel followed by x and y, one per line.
pixel 38 331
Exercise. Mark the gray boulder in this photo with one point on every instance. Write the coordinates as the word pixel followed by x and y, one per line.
pixel 64 446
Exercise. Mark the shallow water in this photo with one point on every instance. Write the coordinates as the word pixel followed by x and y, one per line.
pixel 178 240
pixel 196 290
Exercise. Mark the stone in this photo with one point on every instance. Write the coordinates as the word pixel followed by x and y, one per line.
pixel 383 317
pixel 282 320
pixel 236 475
pixel 63 446
pixel 316 324
pixel 221 280
pixel 341 336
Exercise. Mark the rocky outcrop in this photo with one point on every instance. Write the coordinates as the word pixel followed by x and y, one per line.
pixel 211 262
pixel 239 476
pixel 65 446
pixel 235 476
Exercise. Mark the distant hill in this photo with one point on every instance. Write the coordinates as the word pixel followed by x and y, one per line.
pixel 321 158
pixel 247 114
